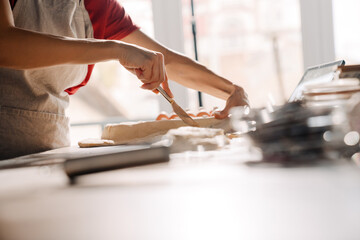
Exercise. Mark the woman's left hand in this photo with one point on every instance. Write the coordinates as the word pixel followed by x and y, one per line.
pixel 238 97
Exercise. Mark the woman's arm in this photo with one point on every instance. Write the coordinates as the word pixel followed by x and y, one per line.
pixel 192 74
pixel 23 49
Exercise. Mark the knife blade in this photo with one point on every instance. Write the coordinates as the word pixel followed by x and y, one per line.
pixel 177 109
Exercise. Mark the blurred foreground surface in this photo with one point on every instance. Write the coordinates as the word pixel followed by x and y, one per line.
pixel 198 195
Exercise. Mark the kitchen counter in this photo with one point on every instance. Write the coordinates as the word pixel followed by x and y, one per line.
pixel 206 195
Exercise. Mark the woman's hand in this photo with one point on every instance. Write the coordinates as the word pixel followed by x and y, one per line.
pixel 147 65
pixel 238 97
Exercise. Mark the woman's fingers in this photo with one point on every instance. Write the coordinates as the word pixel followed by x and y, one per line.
pixel 224 113
pixel 162 70
pixel 148 66
pixel 238 97
pixel 150 86
pixel 166 87
pixel 155 74
pixel 138 73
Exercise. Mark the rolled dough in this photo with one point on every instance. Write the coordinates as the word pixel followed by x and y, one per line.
pixel 136 132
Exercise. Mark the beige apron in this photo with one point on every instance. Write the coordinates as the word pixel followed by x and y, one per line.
pixel 33 102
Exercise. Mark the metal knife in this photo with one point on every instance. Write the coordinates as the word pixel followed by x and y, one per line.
pixel 177 109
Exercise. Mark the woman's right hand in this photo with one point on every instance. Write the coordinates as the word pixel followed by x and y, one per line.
pixel 147 65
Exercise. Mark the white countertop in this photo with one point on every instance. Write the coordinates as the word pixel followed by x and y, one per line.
pixel 211 195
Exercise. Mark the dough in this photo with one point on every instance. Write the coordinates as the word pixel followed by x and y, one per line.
pixel 194 139
pixel 136 132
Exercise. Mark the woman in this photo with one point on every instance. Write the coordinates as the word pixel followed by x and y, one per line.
pixel 46 52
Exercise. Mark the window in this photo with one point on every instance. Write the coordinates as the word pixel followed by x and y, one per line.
pixel 347 36
pixel 253 43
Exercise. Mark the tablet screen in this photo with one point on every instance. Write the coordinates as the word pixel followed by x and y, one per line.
pixel 315 75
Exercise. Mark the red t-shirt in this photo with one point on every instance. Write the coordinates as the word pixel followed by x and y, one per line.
pixel 109 21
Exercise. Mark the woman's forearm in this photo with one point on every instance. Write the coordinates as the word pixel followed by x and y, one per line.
pixel 23 49
pixel 185 71
pixel 196 76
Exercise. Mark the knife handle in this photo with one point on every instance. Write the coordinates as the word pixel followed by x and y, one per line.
pixel 162 91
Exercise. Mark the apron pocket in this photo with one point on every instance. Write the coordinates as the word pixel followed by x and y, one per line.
pixel 25 131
